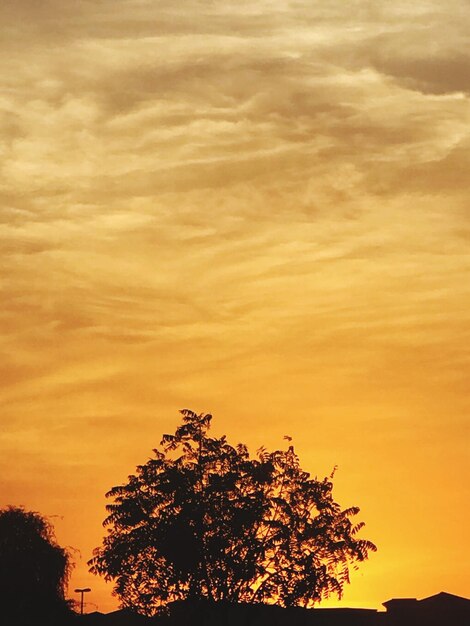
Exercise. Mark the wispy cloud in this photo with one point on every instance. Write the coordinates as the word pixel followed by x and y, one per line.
pixel 252 208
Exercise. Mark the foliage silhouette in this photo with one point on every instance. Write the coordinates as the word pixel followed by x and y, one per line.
pixel 34 570
pixel 203 520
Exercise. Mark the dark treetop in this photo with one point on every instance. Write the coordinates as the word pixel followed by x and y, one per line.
pixel 202 520
pixel 34 571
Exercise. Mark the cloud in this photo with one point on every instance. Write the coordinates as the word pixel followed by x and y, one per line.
pixel 255 208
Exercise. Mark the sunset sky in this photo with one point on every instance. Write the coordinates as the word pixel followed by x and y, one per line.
pixel 254 209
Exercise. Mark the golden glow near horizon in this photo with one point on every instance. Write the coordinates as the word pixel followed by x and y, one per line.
pixel 258 209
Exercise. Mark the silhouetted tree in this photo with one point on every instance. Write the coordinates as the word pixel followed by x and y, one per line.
pixel 34 571
pixel 202 520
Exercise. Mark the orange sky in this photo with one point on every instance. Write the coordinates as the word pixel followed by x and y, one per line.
pixel 257 209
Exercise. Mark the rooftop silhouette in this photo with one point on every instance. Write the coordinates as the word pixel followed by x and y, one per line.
pixel 442 609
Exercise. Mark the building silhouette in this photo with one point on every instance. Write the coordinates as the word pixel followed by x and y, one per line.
pixel 442 609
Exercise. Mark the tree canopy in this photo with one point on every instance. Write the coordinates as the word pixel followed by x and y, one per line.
pixel 34 570
pixel 204 520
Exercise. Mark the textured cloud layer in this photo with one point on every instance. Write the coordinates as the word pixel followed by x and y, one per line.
pixel 256 208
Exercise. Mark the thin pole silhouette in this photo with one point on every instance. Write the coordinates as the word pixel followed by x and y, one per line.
pixel 82 592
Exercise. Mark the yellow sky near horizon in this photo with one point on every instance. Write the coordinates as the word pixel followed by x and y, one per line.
pixel 256 209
